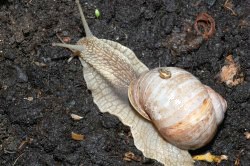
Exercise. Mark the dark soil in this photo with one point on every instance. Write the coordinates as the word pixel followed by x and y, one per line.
pixel 38 131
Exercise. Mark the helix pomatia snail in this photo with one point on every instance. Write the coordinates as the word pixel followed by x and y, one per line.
pixel 186 112
pixel 109 68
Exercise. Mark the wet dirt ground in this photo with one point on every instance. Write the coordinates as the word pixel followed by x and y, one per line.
pixel 39 89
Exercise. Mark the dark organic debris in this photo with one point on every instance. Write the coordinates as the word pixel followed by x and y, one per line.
pixel 206 24
pixel 129 156
pixel 21 75
pixel 190 38
pixel 183 42
pixel 231 73
pixel 26 115
pixel 24 143
pixel 171 5
pixel 237 162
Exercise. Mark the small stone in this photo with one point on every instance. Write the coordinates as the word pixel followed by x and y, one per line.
pixel 170 5
pixel 76 117
pixel 210 2
pixel 247 135
pixel 9 54
pixel 71 104
pixel 19 37
pixel 21 75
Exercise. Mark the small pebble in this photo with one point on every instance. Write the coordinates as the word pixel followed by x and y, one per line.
pixel 76 117
pixel 9 54
pixel 21 75
pixel 170 5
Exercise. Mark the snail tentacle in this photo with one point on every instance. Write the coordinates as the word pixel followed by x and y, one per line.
pixel 79 48
pixel 84 22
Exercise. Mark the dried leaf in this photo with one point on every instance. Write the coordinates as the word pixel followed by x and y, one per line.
pixel 40 64
pixel 231 73
pixel 247 135
pixel 229 6
pixel 77 137
pixel 237 162
pixel 24 142
pixel 129 156
pixel 29 98
pixel 210 158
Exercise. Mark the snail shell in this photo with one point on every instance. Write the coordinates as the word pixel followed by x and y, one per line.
pixel 185 112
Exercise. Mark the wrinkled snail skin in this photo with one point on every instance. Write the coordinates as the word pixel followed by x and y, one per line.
pixel 185 112
pixel 113 66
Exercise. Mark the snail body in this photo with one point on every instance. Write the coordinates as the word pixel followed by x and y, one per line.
pixel 185 112
pixel 110 69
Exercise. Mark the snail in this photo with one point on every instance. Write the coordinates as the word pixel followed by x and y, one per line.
pixel 186 112
pixel 112 71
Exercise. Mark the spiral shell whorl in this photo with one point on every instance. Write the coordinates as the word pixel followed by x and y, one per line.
pixel 220 104
pixel 180 107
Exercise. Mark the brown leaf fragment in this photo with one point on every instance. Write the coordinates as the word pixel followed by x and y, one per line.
pixel 29 98
pixel 129 156
pixel 205 25
pixel 17 159
pixel 25 142
pixel 247 135
pixel 230 73
pixel 77 137
pixel 244 23
pixel 210 158
pixel 237 162
pixel 229 6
